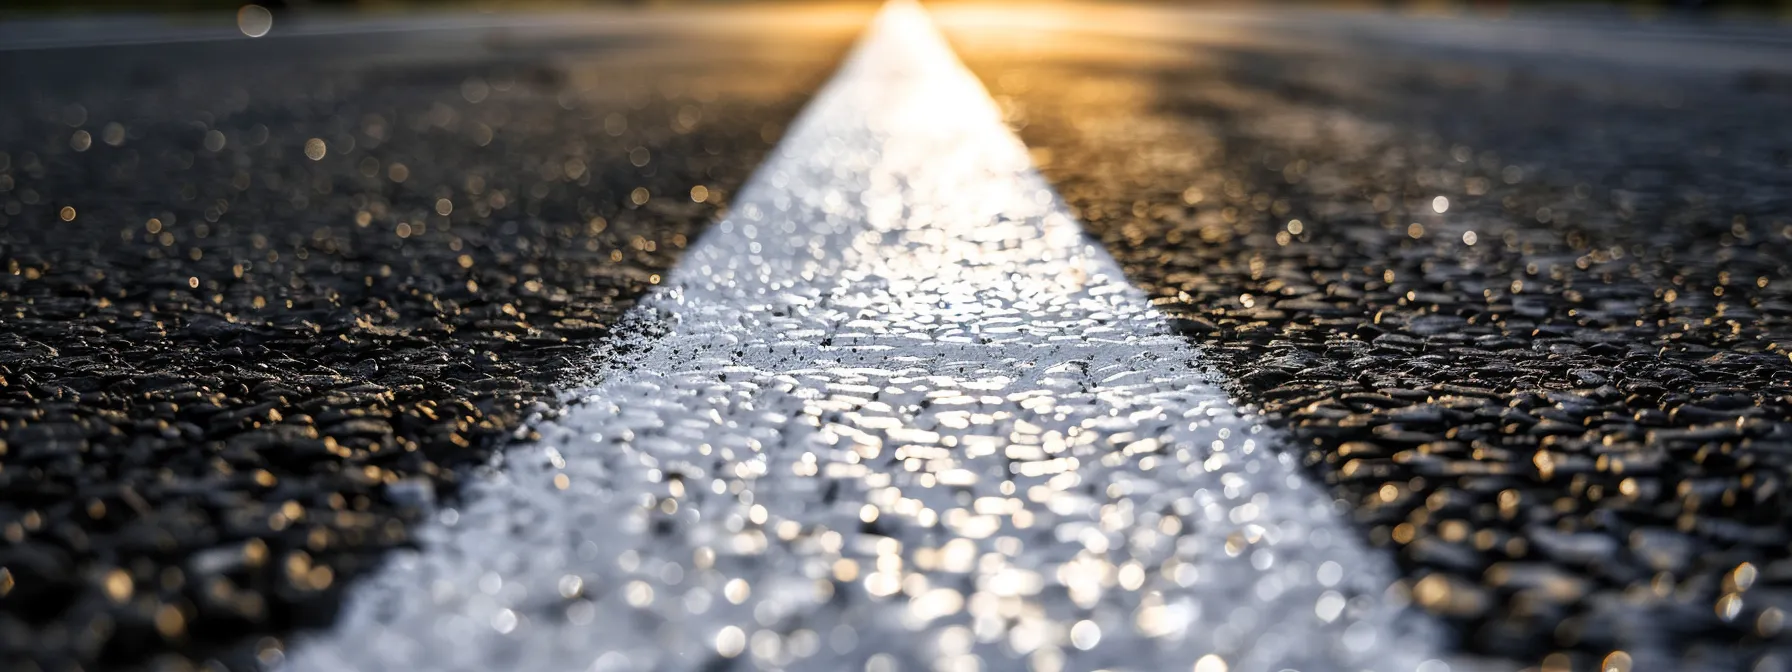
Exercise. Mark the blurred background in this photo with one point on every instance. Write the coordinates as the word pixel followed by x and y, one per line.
pixel 1639 7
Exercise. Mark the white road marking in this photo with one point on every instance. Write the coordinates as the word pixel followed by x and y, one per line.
pixel 906 417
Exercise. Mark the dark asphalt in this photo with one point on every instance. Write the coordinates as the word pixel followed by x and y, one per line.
pixel 264 299
pixel 232 375
pixel 1562 395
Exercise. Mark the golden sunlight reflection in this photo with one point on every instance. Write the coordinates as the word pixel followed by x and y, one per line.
pixel 909 418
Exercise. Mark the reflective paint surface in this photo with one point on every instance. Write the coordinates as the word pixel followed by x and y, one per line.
pixel 906 417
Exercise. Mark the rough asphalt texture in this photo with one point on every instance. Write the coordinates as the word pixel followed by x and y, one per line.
pixel 1571 441
pixel 907 416
pixel 1575 432
pixel 232 372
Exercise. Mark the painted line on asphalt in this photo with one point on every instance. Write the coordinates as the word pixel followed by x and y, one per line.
pixel 906 416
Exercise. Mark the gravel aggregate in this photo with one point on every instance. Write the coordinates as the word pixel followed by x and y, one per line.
pixel 906 417
pixel 263 302
pixel 1529 317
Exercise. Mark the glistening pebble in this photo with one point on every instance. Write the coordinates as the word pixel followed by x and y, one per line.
pixel 262 301
pixel 1528 314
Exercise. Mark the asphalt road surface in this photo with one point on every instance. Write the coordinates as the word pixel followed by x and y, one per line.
pixel 1312 340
